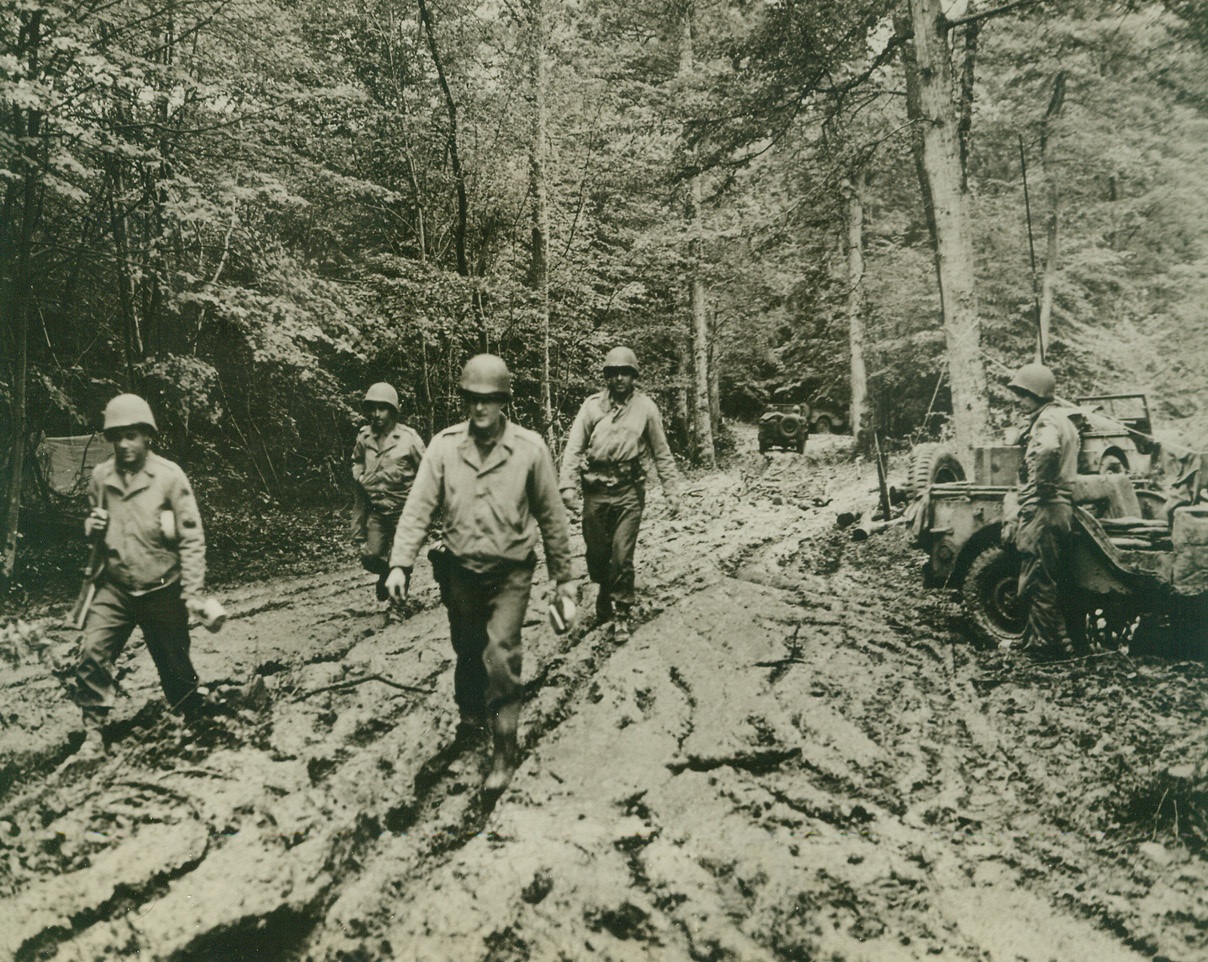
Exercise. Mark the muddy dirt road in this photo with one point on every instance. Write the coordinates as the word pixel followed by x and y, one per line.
pixel 799 755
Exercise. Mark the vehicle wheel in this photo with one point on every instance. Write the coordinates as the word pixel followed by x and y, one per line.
pixel 991 593
pixel 932 464
pixel 789 425
pixel 822 425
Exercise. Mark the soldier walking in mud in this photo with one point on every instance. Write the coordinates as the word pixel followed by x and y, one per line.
pixel 1046 512
pixel 148 529
pixel 494 484
pixel 385 458
pixel 604 455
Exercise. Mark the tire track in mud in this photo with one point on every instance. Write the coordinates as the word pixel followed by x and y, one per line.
pixel 789 760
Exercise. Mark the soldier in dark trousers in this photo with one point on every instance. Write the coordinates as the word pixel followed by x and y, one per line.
pixel 149 530
pixel 1046 512
pixel 494 485
pixel 604 455
pixel 385 459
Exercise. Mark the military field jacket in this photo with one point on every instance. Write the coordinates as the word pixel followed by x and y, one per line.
pixel 605 433
pixel 491 509
pixel 385 467
pixel 139 555
pixel 1050 460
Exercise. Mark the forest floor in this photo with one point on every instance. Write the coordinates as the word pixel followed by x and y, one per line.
pixel 799 755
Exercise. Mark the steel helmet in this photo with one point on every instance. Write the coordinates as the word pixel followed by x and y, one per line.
pixel 621 357
pixel 381 393
pixel 128 410
pixel 1035 379
pixel 486 374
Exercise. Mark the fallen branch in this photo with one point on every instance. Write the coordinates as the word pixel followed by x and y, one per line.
pixel 352 683
pixel 866 529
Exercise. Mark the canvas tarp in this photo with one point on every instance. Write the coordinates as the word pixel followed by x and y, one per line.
pixel 65 464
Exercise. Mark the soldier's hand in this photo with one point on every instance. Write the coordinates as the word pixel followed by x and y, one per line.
pixel 567 589
pixel 97 523
pixel 398 583
pixel 569 499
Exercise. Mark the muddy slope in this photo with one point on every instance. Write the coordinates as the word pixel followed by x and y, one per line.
pixel 798 755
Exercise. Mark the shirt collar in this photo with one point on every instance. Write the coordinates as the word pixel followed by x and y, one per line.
pixel 506 442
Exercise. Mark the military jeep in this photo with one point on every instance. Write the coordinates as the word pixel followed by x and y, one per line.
pixel 784 426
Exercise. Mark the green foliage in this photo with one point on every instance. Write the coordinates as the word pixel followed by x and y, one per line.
pixel 247 210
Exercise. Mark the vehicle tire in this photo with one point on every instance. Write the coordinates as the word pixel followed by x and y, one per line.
pixel 789 425
pixel 930 464
pixel 822 425
pixel 991 593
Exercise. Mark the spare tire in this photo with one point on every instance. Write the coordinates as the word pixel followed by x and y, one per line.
pixel 790 425
pixel 932 463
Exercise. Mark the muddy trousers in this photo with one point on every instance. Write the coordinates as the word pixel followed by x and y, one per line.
pixel 486 613
pixel 610 528
pixel 375 552
pixel 115 613
pixel 1053 607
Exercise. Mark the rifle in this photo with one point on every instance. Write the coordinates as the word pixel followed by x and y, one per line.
pixel 92 577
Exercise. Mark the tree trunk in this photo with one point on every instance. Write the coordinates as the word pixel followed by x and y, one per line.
pixel 459 176
pixel 132 340
pixel 29 126
pixel 539 274
pixel 953 236
pixel 714 375
pixel 853 191
pixel 1049 275
pixel 702 422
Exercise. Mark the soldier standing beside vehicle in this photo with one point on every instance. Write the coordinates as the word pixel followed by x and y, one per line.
pixel 495 486
pixel 145 519
pixel 1046 512
pixel 604 454
pixel 385 458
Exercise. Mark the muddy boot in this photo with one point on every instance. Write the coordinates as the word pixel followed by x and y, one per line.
pixel 507 751
pixel 603 606
pixel 621 627
pixel 93 747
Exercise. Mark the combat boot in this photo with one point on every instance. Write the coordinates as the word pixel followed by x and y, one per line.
pixel 621 628
pixel 93 748
pixel 506 756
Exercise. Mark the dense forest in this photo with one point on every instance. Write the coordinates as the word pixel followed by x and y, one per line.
pixel 248 210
